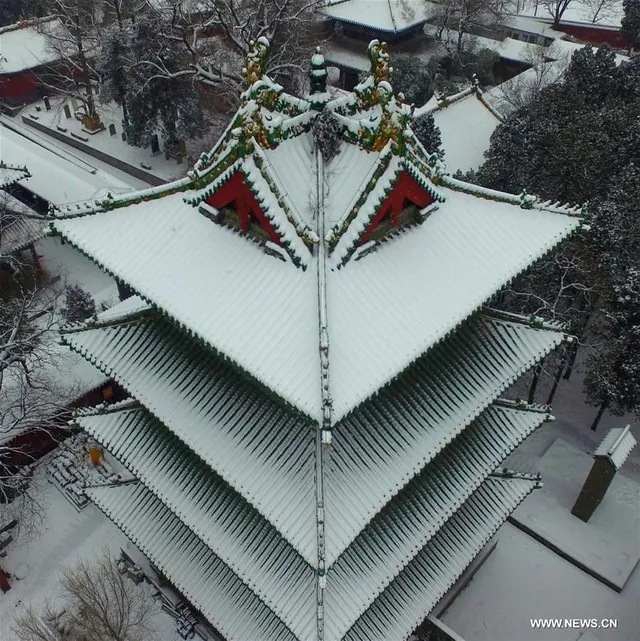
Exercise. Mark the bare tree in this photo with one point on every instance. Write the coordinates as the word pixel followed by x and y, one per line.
pixel 73 37
pixel 600 10
pixel 466 18
pixel 556 9
pixel 216 35
pixel 523 89
pixel 33 401
pixel 99 603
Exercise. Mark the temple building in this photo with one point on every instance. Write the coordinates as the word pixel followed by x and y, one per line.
pixel 316 421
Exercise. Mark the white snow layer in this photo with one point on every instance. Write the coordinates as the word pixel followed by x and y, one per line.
pixel 466 127
pixel 263 313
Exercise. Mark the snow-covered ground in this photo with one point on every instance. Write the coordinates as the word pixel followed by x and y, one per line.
pixel 522 580
pixel 103 141
pixel 67 535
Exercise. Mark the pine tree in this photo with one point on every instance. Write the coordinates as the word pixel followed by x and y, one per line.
pixel 428 133
pixel 413 78
pixel 160 97
pixel 613 375
pixel 630 24
pixel 79 305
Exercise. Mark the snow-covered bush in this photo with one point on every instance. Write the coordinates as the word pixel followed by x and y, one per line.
pixel 326 134
pixel 78 306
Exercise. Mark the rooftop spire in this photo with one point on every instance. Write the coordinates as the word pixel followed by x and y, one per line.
pixel 318 72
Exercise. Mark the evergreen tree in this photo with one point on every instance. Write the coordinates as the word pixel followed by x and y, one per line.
pixel 413 78
pixel 613 375
pixel 570 142
pixel 79 305
pixel 428 133
pixel 615 224
pixel 160 95
pixel 579 141
pixel 630 25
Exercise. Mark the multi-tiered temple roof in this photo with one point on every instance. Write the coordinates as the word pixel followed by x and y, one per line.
pixel 316 412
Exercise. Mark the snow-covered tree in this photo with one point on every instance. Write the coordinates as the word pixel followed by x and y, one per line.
pixel 556 9
pixel 327 134
pixel 612 380
pixel 74 39
pixel 428 133
pixel 160 93
pixel 100 603
pixel 630 25
pixel 567 144
pixel 78 304
pixel 413 78
pixel 457 20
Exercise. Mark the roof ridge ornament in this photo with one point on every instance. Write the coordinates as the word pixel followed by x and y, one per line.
pixel 257 58
pixel 318 72
pixel 378 53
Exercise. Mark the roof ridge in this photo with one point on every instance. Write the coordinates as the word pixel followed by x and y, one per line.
pixel 533 321
pixel 524 200
pixel 23 24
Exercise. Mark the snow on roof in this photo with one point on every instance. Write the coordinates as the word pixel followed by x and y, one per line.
pixel 20 226
pixel 239 536
pixel 466 126
pixel 55 177
pixel 205 416
pixel 383 15
pixel 10 174
pixel 205 580
pixel 616 445
pixel 563 50
pixel 23 46
pixel 596 14
pixel 410 597
pixel 531 25
pixel 509 48
pixel 124 309
pixel 354 493
pixel 234 428
pixel 457 259
pixel 405 526
pixel 476 244
pixel 513 93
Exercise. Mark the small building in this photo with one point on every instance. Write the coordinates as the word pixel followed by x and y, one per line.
pixel 24 52
pixel 353 23
pixel 466 121
pixel 316 416
pixel 589 22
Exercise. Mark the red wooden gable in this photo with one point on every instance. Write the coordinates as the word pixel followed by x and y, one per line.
pixel 236 192
pixel 405 190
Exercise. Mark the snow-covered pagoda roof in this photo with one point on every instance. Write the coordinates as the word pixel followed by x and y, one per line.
pixel 323 277
pixel 392 16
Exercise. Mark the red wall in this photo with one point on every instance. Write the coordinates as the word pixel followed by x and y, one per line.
pixel 18 87
pixel 405 188
pixel 236 191
pixel 595 35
